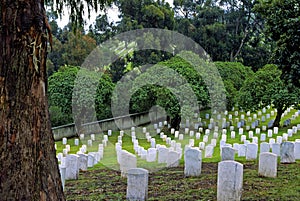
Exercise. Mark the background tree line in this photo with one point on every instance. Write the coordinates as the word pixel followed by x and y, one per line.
pixel 235 34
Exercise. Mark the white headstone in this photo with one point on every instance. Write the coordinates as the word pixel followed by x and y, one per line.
pixel 250 134
pixel 127 161
pixel 192 162
pixel 91 160
pixel 243 138
pixel 242 150
pixel 64 141
pixel 213 142
pixel 137 184
pixel 209 150
pixel 173 159
pixel 205 138
pixel 230 181
pixel 267 166
pixel 251 153
pixel 263 137
pixel 72 170
pixel 153 143
pixel 264 147
pixel 276 149
pixel 83 162
pixel 284 137
pixel 76 142
pixel 232 134
pixel 176 134
pixel 162 155
pixel 180 137
pixel 279 139
pixel 270 133
pixel 287 153
pixel 227 153
pixel 81 136
pixel 68 147
pixel 90 143
pixel 151 155
pixel 255 140
pixel 198 136
pixel 201 145
pixel 192 133
pixel 93 137
pixel 297 150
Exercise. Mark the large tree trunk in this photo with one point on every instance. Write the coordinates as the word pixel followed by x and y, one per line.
pixel 276 122
pixel 28 166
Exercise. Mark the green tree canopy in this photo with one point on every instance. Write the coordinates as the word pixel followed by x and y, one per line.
pixel 282 25
pixel 234 75
pixel 265 88
pixel 61 93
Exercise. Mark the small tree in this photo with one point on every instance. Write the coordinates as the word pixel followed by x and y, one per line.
pixel 265 88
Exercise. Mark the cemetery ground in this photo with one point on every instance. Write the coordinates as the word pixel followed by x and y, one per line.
pixel 104 181
pixel 100 183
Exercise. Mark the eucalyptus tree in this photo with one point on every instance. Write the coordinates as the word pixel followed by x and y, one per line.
pixel 29 168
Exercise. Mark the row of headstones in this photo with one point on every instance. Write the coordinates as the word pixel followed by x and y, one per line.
pixel 209 149
pixel 241 122
pixel 128 160
pixel 150 155
pixel 70 164
pixel 288 152
pixel 229 180
pixel 207 131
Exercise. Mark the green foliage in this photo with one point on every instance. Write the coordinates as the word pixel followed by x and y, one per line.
pixel 227 30
pixel 57 117
pixel 193 77
pixel 103 97
pixel 60 87
pixel 77 48
pixel 265 88
pixel 234 75
pixel 174 85
pixel 282 25
pixel 61 93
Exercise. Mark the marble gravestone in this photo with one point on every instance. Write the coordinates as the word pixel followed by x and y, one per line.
pixel 72 170
pixel 137 184
pixel 230 181
pixel 287 153
pixel 192 162
pixel 227 153
pixel 127 161
pixel 267 166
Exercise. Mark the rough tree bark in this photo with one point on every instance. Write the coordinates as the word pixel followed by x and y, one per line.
pixel 280 111
pixel 28 166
